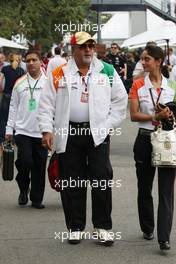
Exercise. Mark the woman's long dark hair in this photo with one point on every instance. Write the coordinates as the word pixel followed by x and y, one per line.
pixel 157 53
pixel 165 71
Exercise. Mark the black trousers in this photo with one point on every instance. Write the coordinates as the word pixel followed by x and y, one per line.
pixel 83 161
pixel 31 161
pixel 145 175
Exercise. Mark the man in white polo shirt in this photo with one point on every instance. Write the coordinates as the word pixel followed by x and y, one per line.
pixel 56 61
pixel 83 103
pixel 32 156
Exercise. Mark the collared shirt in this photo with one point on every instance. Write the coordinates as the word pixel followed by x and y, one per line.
pixel 54 63
pixel 20 118
pixel 79 110
pixel 141 90
pixel 107 103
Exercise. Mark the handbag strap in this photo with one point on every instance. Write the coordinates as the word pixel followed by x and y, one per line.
pixel 160 127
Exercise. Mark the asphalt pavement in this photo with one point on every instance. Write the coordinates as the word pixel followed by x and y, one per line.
pixel 28 235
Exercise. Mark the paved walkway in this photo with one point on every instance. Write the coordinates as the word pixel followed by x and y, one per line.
pixel 27 235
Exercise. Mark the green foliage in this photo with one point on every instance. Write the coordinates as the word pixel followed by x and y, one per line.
pixel 37 19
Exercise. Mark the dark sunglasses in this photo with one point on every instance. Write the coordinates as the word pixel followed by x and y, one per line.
pixel 113 47
pixel 85 46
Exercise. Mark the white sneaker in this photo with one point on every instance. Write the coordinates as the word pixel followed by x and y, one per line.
pixel 105 237
pixel 49 153
pixel 75 237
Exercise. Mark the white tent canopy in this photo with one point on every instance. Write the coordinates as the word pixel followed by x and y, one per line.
pixel 118 26
pixel 11 44
pixel 166 31
pixel 113 28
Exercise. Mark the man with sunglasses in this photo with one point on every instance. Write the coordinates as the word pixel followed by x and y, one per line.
pixel 84 104
pixel 119 62
pixel 31 156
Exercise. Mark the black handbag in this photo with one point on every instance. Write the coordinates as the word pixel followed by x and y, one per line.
pixel 8 162
pixel 169 123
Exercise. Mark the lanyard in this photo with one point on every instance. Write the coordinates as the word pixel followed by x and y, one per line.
pixel 31 89
pixel 157 100
pixel 84 81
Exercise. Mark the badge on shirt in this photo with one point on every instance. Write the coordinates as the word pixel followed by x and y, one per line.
pixel 32 105
pixel 84 97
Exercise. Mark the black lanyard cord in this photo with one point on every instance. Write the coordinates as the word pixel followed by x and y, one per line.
pixel 154 104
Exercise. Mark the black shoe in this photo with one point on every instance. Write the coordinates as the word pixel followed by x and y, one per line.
pixel 164 245
pixel 38 205
pixel 75 237
pixel 148 236
pixel 23 198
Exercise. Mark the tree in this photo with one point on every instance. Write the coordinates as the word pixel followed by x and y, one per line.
pixel 39 18
pixel 44 21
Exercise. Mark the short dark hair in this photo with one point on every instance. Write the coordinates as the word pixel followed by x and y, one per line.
pixel 57 51
pixel 115 44
pixel 151 43
pixel 33 51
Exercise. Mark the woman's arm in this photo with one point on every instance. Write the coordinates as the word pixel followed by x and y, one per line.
pixel 137 116
pixel 1 81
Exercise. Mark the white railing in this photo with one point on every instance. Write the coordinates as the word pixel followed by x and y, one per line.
pixel 167 6
pixel 156 3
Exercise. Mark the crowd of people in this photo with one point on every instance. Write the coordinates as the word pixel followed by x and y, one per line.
pixel 80 101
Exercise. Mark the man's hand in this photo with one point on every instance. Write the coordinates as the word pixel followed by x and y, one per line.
pixel 8 137
pixel 122 70
pixel 47 140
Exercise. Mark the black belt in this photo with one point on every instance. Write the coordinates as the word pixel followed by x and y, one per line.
pixel 79 124
pixel 145 132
